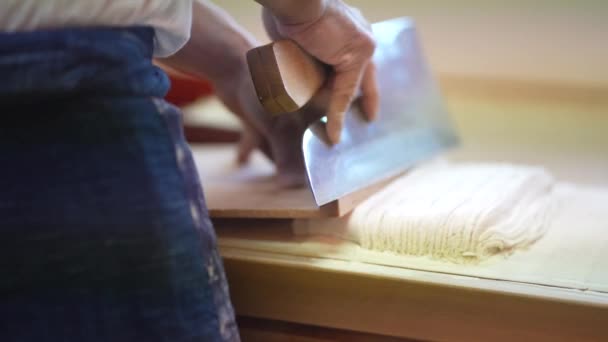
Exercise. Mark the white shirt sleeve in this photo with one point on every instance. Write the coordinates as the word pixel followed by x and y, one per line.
pixel 171 19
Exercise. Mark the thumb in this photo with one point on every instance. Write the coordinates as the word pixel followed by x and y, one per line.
pixel 247 144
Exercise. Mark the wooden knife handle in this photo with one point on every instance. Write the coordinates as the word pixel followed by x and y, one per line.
pixel 285 77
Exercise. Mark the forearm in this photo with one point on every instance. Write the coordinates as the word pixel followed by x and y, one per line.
pixel 292 12
pixel 217 45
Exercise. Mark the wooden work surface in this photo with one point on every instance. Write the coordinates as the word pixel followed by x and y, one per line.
pixel 276 275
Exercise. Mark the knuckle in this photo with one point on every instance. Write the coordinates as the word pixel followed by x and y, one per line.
pixel 356 52
pixel 368 43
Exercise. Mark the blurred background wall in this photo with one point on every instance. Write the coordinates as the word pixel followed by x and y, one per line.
pixel 550 41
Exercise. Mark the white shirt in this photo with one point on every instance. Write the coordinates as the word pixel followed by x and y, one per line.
pixel 171 19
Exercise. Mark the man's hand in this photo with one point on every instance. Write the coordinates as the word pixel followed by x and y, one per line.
pixel 216 52
pixel 337 35
pixel 334 33
pixel 279 137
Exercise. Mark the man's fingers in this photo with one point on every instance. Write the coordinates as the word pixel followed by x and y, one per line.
pixel 289 179
pixel 344 88
pixel 247 144
pixel 290 165
pixel 370 98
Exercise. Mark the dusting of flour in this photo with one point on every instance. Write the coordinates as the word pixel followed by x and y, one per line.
pixel 461 213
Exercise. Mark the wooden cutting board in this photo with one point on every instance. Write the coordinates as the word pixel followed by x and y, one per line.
pixel 251 192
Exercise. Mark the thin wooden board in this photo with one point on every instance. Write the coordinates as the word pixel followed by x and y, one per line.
pixel 250 191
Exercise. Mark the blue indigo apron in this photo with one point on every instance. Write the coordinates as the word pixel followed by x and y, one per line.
pixel 104 232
